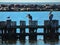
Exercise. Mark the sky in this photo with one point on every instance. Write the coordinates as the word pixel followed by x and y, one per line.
pixel 29 0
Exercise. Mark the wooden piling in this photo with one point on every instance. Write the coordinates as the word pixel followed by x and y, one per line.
pixel 32 30
pixel 2 28
pixel 51 30
pixel 10 30
pixel 22 30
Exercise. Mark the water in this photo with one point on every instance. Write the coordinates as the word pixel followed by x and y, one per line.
pixel 40 16
pixel 38 42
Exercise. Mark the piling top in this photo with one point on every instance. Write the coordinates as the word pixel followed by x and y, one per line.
pixel 33 23
pixel 2 23
pixel 53 23
pixel 13 24
pixel 22 23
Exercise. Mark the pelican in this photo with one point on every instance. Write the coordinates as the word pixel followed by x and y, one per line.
pixel 8 18
pixel 29 16
pixel 50 15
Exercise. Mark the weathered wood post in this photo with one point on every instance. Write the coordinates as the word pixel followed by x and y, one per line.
pixel 33 30
pixel 22 30
pixel 3 28
pixel 13 30
pixel 8 29
pixel 51 30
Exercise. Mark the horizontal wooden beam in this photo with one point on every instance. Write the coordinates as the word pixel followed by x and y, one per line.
pixel 42 26
pixel 27 34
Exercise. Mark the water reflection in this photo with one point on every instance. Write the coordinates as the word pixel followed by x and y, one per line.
pixel 27 42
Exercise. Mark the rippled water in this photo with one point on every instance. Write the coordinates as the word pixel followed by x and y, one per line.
pixel 27 42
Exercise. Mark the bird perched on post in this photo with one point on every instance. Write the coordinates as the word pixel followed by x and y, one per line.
pixel 8 18
pixel 50 15
pixel 29 16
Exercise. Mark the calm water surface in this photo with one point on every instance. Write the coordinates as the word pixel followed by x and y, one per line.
pixel 38 42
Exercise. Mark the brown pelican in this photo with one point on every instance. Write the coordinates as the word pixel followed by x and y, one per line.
pixel 8 18
pixel 50 15
pixel 29 16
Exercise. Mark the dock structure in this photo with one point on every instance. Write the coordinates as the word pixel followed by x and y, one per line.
pixel 8 30
pixel 22 30
pixel 33 30
pixel 2 27
pixel 51 30
pixel 12 30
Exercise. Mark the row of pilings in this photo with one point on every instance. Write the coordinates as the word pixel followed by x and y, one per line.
pixel 8 30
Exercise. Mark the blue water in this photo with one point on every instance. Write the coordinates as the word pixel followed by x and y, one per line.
pixel 40 16
pixel 39 42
